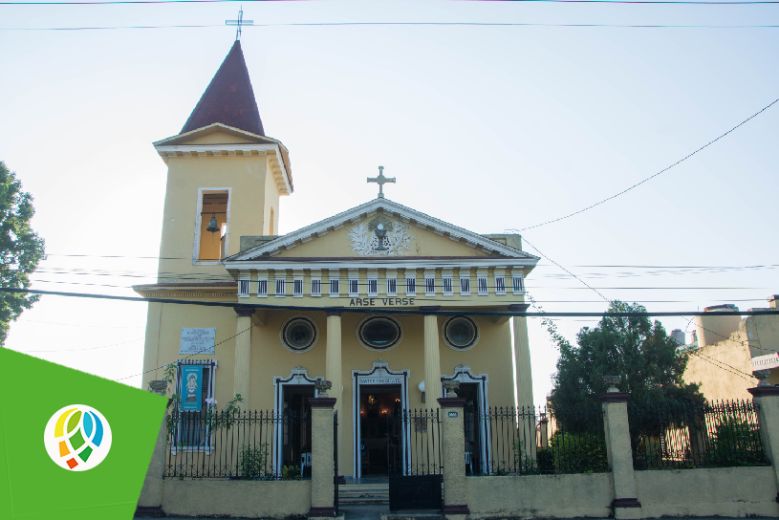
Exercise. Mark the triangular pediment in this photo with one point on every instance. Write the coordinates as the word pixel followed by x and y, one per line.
pixel 382 229
pixel 216 133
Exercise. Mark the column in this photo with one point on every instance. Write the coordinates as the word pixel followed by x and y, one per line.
pixel 432 359
pixel 522 354
pixel 243 355
pixel 453 443
pixel 333 354
pixel 620 455
pixel 322 459
pixel 333 374
pixel 767 400
pixel 524 382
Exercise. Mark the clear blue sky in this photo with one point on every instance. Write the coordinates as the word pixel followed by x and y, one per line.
pixel 488 127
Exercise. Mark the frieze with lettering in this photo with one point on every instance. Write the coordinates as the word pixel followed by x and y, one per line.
pixel 381 302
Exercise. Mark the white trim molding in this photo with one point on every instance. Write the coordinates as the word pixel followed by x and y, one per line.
pixel 389 207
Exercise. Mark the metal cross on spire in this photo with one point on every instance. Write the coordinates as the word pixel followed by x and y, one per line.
pixel 240 22
pixel 381 180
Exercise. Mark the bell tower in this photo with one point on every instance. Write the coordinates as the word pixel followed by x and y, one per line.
pixel 225 176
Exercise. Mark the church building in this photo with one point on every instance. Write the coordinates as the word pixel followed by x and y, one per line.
pixel 384 301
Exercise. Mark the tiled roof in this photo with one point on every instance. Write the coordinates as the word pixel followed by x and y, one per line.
pixel 229 98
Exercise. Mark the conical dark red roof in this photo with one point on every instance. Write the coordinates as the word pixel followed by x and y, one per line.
pixel 229 98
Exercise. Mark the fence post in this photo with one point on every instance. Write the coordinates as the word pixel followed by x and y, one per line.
pixel 453 460
pixel 322 461
pixel 767 400
pixel 620 455
pixel 150 501
pixel 544 430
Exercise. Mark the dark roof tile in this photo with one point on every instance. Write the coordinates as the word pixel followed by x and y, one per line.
pixel 229 98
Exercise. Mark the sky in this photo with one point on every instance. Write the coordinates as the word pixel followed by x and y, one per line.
pixel 490 127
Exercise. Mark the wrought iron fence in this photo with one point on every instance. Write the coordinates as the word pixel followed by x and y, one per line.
pixel 529 440
pixel 676 435
pixel 424 453
pixel 237 444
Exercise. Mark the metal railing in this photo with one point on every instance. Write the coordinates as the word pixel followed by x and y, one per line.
pixel 235 444
pixel 529 440
pixel 424 451
pixel 677 436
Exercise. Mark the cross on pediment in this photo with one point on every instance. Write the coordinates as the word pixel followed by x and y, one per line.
pixel 381 180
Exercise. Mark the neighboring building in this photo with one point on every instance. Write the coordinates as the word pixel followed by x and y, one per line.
pixel 298 302
pixel 726 350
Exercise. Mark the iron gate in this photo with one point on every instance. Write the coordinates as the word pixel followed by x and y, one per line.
pixel 416 483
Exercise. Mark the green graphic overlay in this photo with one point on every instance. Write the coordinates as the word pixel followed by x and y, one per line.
pixel 32 486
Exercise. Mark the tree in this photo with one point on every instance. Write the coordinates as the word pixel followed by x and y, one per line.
pixel 20 248
pixel 639 352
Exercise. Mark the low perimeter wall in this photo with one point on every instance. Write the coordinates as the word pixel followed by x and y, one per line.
pixel 240 498
pixel 745 491
pixel 544 496
pixel 739 491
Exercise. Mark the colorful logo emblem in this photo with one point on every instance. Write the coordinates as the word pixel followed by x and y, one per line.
pixel 77 437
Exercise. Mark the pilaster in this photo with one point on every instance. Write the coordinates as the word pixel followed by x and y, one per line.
pixel 453 430
pixel 243 354
pixel 620 456
pixel 432 359
pixel 767 400
pixel 322 461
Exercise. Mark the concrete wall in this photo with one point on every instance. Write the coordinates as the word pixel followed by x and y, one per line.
pixel 237 498
pixel 748 491
pixel 708 492
pixel 544 496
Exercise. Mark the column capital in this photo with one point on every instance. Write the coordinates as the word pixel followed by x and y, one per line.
pixel 244 311
pixel 518 307
pixel 322 402
pixel 334 312
pixel 761 391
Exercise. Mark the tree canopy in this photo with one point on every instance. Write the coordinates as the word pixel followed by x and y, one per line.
pixel 20 248
pixel 635 349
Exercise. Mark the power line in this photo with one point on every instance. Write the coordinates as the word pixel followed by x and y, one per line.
pixel 654 175
pixel 74 349
pixel 189 356
pixel 405 24
pixel 605 266
pixel 724 366
pixel 596 291
pixel 723 3
pixel 435 310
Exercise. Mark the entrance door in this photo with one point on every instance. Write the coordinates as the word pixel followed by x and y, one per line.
pixel 381 444
pixel 469 392
pixel 296 430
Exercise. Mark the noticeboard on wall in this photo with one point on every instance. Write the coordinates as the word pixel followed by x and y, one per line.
pixel 197 341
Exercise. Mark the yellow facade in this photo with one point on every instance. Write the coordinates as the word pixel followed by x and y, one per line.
pixel 732 343
pixel 387 302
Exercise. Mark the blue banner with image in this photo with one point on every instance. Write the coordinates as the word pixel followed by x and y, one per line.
pixel 191 391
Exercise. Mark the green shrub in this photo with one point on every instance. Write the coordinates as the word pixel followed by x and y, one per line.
pixel 253 461
pixel 545 460
pixel 290 472
pixel 579 453
pixel 735 443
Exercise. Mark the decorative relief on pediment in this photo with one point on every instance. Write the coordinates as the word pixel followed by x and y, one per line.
pixel 380 237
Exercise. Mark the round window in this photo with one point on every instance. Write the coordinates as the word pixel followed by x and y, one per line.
pixel 299 334
pixel 379 333
pixel 460 332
